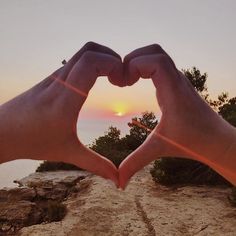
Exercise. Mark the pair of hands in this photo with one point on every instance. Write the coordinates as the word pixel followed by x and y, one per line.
pixel 47 113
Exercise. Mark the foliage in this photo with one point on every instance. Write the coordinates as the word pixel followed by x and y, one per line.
pixel 228 111
pixel 170 171
pixel 110 146
pixel 115 148
pixel 140 128
pixel 198 80
pixel 54 166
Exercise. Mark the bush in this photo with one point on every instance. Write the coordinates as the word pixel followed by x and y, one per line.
pixel 111 146
pixel 54 166
pixel 169 171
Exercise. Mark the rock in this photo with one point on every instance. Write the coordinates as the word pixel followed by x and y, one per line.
pixel 37 200
pixel 53 192
pixel 16 194
pixel 38 179
pixel 16 211
pixel 15 215
pixel 144 208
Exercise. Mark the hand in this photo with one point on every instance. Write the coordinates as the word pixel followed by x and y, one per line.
pixel 43 119
pixel 188 127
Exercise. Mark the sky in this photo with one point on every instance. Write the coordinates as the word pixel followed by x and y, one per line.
pixel 37 35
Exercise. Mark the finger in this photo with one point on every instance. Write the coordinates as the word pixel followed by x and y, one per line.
pixel 150 150
pixel 148 50
pixel 90 46
pixel 159 68
pixel 74 91
pixel 91 161
pixel 155 147
pixel 92 65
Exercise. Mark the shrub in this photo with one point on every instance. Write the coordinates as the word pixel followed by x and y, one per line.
pixel 111 146
pixel 168 171
pixel 54 166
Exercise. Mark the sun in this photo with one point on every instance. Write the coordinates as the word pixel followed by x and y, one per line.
pixel 119 113
pixel 120 109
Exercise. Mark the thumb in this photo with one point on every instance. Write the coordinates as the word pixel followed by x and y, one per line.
pixel 91 161
pixel 150 150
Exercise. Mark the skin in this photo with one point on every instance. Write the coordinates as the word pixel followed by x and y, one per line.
pixel 40 124
pixel 42 121
pixel 188 128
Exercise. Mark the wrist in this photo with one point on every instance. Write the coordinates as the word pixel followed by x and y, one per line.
pixel 228 161
pixel 219 137
pixel 9 141
pixel 222 154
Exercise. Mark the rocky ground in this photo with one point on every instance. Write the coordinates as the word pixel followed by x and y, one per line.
pixel 144 208
pixel 39 199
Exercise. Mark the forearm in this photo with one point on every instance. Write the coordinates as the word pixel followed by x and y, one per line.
pixel 226 165
pixel 11 142
pixel 221 155
pixel 5 134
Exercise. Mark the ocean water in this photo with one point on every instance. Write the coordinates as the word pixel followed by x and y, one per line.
pixel 88 130
pixel 14 170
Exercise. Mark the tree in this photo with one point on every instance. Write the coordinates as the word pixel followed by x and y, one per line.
pixel 197 79
pixel 54 166
pixel 115 148
pixel 140 128
pixel 110 146
pixel 228 111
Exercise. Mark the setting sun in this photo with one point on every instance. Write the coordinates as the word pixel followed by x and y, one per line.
pixel 120 108
pixel 119 114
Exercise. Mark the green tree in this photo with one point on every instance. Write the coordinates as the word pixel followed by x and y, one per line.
pixel 117 148
pixel 228 111
pixel 54 166
pixel 140 128
pixel 110 146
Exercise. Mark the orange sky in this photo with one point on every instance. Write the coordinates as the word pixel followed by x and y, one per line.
pixel 113 100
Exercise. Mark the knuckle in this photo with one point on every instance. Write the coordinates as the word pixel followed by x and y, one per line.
pixel 164 60
pixel 88 57
pixel 127 58
pixel 91 46
pixel 156 47
pixel 133 64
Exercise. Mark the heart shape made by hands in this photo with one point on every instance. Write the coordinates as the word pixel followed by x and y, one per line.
pixel 183 110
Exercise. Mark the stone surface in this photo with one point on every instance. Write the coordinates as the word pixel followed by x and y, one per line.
pixel 144 209
pixel 37 200
pixel 51 178
pixel 16 211
pixel 15 194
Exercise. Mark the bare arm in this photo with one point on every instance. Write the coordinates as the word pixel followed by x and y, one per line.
pixel 40 124
pixel 188 128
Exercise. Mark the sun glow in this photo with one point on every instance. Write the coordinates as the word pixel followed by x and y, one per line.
pixel 119 114
pixel 120 109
